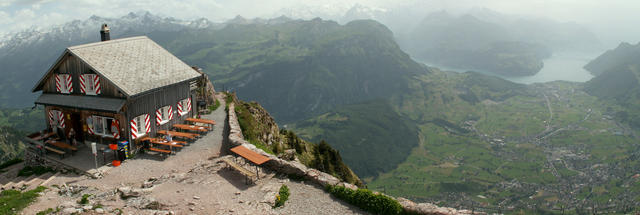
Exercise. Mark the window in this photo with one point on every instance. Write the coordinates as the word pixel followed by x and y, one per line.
pixel 55 118
pixel 184 106
pixel 164 114
pixel 64 83
pixel 90 84
pixel 139 126
pixel 100 125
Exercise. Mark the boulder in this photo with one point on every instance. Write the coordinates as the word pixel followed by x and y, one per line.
pixel 69 211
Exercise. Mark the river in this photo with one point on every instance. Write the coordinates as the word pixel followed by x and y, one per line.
pixel 566 66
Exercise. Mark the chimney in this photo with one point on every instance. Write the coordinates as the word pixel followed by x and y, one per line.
pixel 104 33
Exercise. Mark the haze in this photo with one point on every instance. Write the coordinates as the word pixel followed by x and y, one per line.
pixel 612 21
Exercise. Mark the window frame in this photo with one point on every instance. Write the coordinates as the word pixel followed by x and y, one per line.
pixel 140 125
pixel 88 81
pixel 184 103
pixel 164 114
pixel 105 125
pixel 64 84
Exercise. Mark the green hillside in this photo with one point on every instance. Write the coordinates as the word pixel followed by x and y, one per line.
pixel 371 136
pixel 15 124
pixel 297 69
pixel 514 145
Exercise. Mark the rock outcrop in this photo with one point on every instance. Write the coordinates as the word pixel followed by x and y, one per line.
pixel 318 177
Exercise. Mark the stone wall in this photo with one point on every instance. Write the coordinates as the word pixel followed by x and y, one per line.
pixel 300 170
pixel 34 158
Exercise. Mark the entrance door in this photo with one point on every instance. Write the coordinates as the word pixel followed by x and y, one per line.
pixel 76 124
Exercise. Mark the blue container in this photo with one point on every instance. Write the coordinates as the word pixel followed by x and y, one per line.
pixel 122 144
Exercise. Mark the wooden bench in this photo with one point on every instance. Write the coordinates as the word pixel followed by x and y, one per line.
pixel 159 150
pixel 195 128
pixel 179 134
pixel 250 175
pixel 61 153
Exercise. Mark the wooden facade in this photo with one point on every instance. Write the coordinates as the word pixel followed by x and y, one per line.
pixel 143 103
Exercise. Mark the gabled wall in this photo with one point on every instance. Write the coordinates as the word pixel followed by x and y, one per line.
pixel 72 65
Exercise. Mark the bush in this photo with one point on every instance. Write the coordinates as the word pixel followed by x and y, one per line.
pixel 34 170
pixel 366 200
pixel 282 196
pixel 84 200
pixel 10 163
pixel 215 105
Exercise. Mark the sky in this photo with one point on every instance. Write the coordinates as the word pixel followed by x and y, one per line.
pixel 613 20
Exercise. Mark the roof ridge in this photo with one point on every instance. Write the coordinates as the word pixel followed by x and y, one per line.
pixel 107 42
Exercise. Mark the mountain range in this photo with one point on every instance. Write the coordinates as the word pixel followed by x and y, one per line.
pixel 405 128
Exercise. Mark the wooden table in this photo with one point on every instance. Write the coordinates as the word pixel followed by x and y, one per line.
pixel 203 121
pixel 191 127
pixel 45 136
pixel 160 142
pixel 178 134
pixel 61 145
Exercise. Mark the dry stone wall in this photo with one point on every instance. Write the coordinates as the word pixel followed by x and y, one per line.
pixel 321 178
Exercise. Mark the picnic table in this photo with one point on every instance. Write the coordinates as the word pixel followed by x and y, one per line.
pixel 45 136
pixel 191 127
pixel 178 134
pixel 203 121
pixel 61 145
pixel 160 141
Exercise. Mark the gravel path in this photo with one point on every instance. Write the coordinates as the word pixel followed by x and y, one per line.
pixel 192 181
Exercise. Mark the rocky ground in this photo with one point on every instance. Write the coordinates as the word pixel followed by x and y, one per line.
pixel 193 181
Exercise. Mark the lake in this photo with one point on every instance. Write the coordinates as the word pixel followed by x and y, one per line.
pixel 566 66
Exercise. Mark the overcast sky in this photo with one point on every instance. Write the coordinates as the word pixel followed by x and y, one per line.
pixel 612 20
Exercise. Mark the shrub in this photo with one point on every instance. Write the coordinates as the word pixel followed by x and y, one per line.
pixel 85 199
pixel 215 105
pixel 10 163
pixel 366 200
pixel 282 196
pixel 34 170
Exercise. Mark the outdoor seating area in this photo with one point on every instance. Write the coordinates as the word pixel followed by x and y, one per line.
pixel 253 158
pixel 165 142
pixel 50 142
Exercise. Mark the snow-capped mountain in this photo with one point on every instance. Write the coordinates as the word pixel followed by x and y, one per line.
pixel 25 55
pixel 82 31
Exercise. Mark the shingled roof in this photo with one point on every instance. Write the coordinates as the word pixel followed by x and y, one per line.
pixel 135 64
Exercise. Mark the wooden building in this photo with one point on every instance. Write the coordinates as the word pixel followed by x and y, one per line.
pixel 116 90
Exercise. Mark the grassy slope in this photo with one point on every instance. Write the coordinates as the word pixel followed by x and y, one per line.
pixel 14 125
pixel 371 136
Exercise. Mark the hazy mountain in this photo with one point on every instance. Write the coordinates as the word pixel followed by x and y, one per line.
pixel 619 58
pixel 477 41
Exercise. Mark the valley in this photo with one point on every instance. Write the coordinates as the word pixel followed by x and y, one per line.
pixel 506 147
pixel 460 139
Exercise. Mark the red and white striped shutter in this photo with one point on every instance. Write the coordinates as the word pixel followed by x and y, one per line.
pixel 96 84
pixel 58 84
pixel 134 129
pixel 115 129
pixel 180 108
pixel 90 125
pixel 69 84
pixel 82 84
pixel 188 105
pixel 158 116
pixel 52 119
pixel 170 112
pixel 147 123
pixel 61 119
